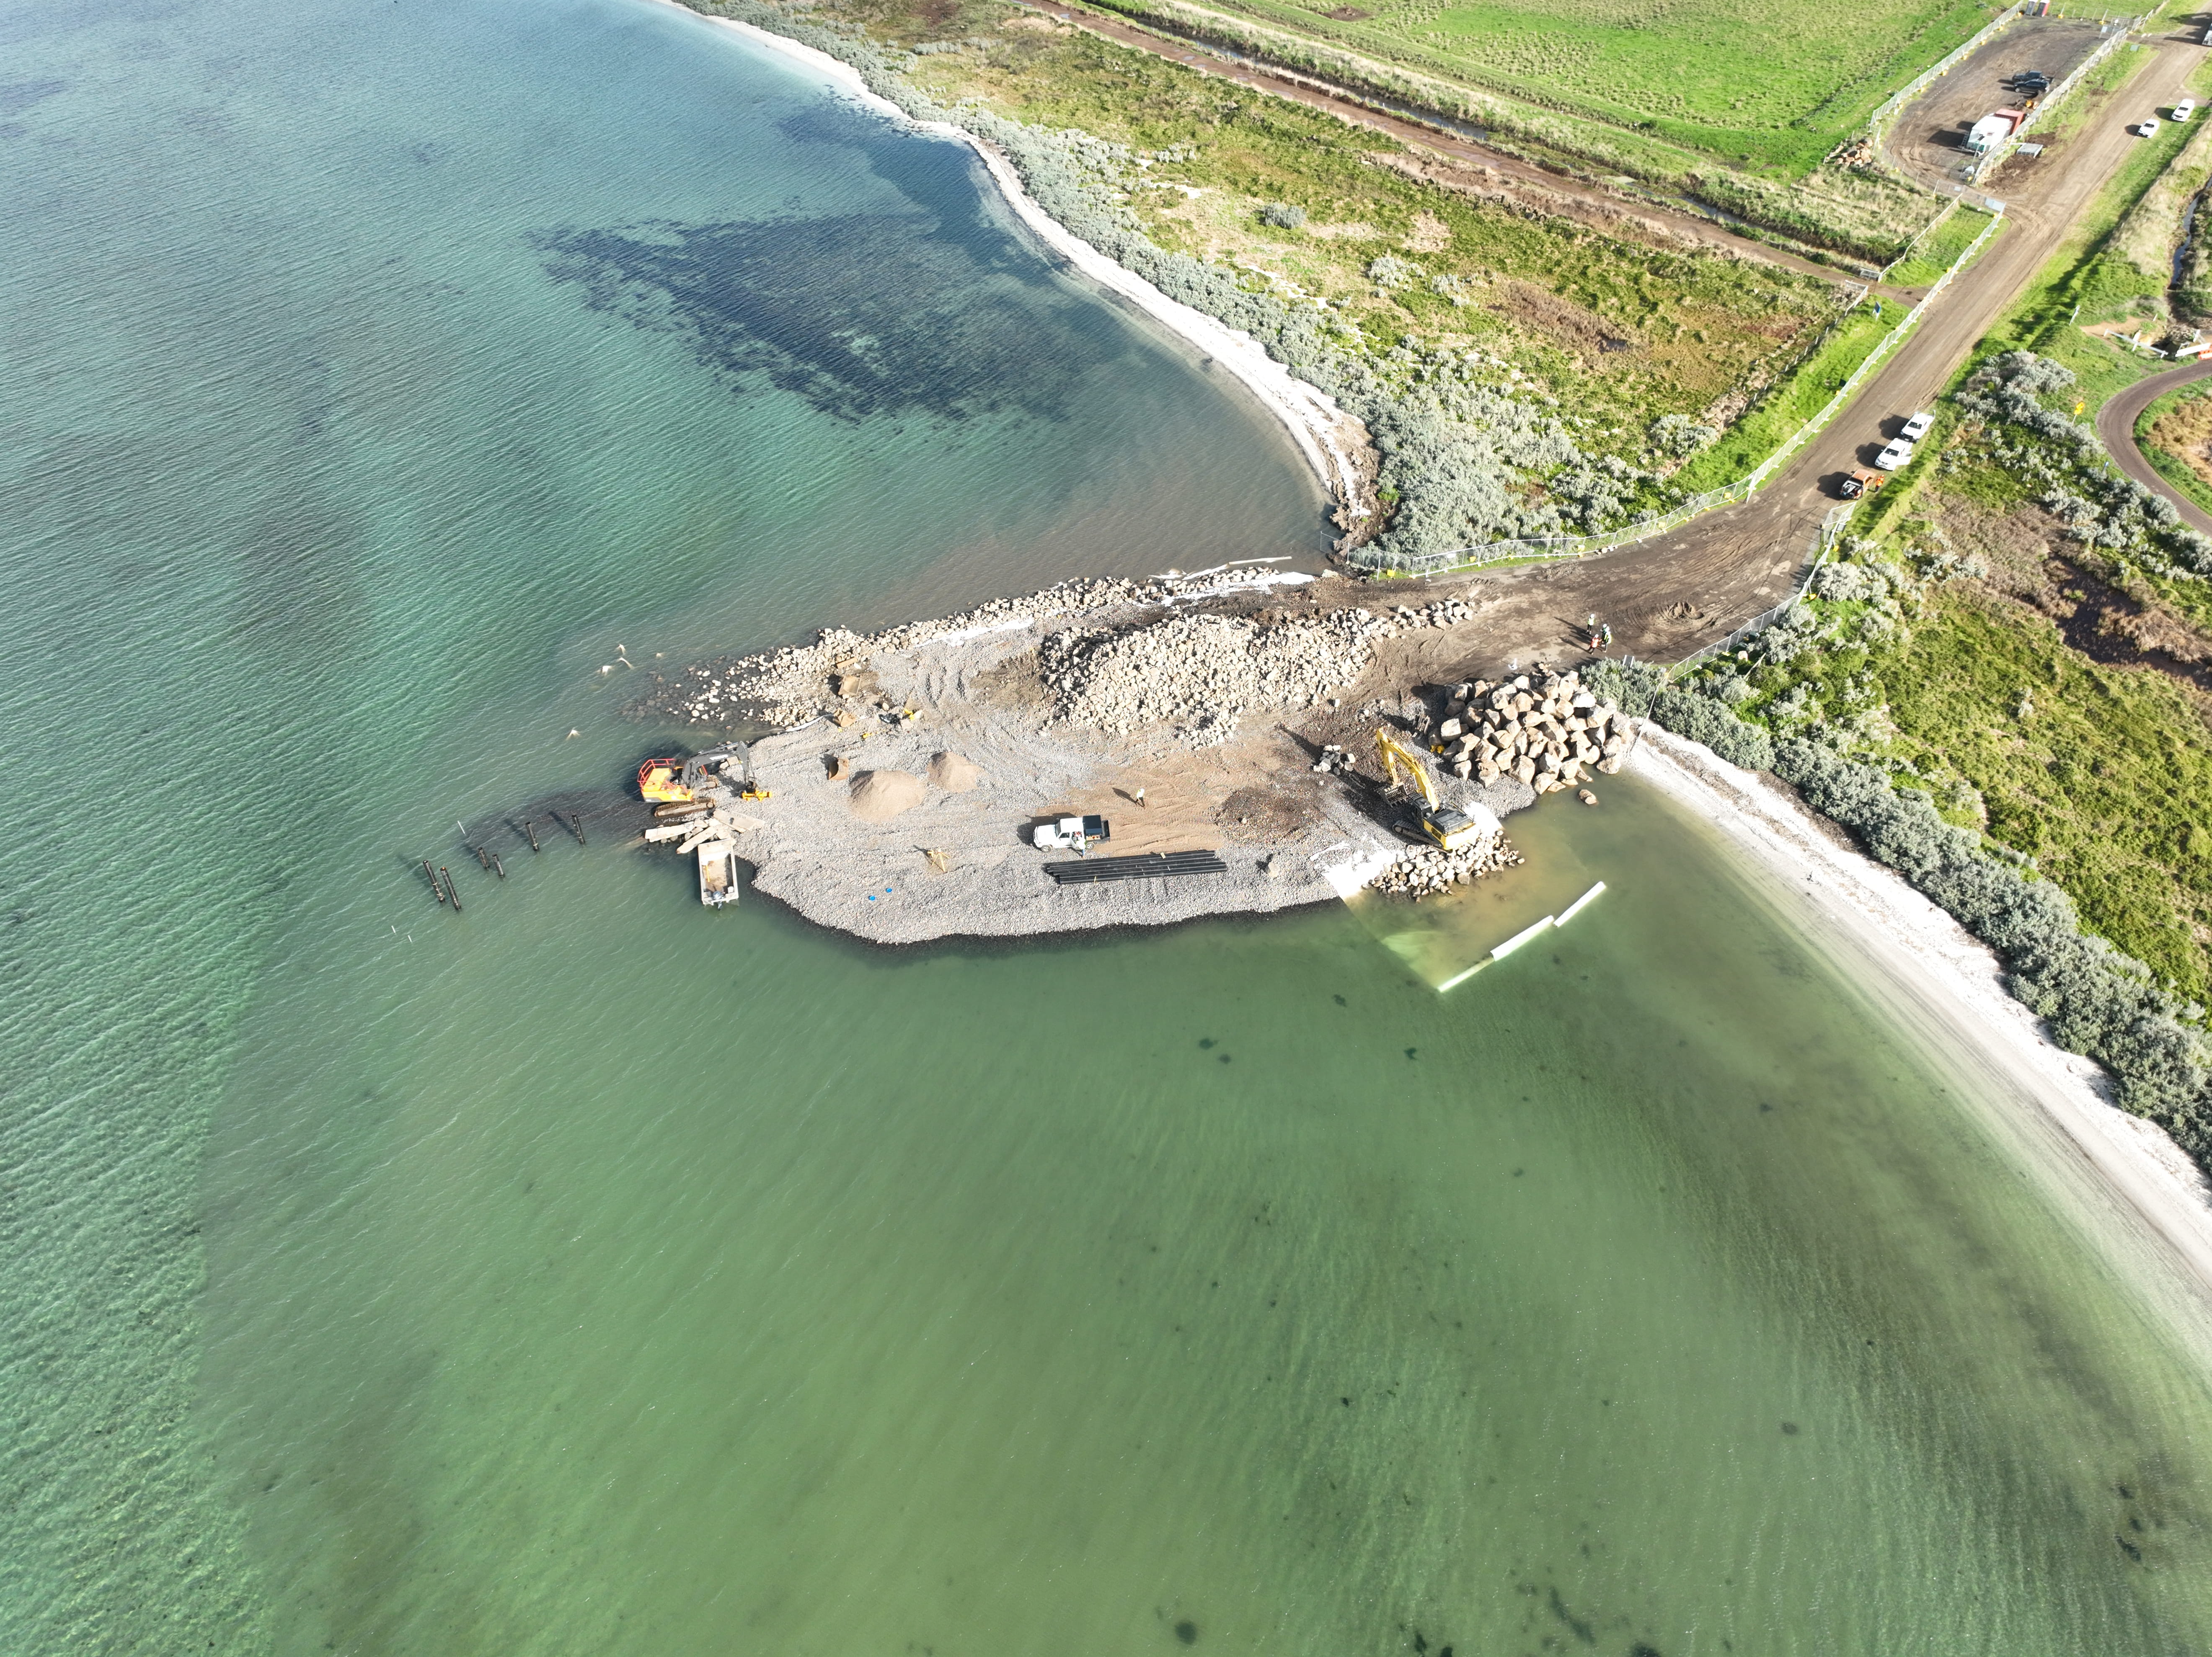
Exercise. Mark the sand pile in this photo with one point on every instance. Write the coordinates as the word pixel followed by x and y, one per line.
pixel 879 796
pixel 955 774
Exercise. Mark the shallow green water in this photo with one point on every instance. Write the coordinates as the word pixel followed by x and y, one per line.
pixel 590 1273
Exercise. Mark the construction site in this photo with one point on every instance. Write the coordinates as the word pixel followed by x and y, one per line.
pixel 1123 753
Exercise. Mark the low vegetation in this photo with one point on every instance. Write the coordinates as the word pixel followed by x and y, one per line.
pixel 1773 176
pixel 1706 79
pixel 1527 365
pixel 2004 692
pixel 2175 435
pixel 1938 250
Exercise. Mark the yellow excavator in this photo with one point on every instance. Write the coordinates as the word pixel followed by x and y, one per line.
pixel 1449 828
pixel 676 782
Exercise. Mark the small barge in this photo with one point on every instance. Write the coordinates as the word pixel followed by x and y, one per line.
pixel 718 873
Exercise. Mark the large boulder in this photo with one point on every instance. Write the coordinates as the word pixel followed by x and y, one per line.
pixel 879 796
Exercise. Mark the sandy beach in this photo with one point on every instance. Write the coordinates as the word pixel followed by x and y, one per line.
pixel 1331 440
pixel 1931 974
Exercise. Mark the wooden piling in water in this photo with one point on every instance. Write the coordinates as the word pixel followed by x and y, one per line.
pixel 576 823
pixel 497 867
pixel 450 892
pixel 483 857
pixel 530 832
pixel 436 890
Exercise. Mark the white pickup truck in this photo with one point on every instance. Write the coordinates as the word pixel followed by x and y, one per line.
pixel 1070 834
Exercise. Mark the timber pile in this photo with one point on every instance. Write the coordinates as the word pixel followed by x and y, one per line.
pixel 1546 731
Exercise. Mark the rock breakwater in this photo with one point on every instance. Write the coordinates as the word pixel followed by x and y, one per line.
pixel 1197 672
pixel 1430 871
pixel 1546 730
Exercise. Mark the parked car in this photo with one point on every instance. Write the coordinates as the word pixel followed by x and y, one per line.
pixel 2184 109
pixel 2148 128
pixel 2033 82
pixel 1861 481
pixel 1898 451
pixel 1916 427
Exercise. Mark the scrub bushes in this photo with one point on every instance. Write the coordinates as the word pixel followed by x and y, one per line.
pixel 2101 508
pixel 1453 452
pixel 2095 1000
pixel 1701 718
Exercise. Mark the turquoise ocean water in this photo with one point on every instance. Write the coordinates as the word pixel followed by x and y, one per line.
pixel 588 1273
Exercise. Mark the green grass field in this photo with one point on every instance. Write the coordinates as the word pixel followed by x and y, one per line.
pixel 1773 87
pixel 1939 249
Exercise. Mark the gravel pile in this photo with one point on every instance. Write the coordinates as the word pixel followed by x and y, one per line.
pixel 1545 732
pixel 1428 870
pixel 789 686
pixel 1200 674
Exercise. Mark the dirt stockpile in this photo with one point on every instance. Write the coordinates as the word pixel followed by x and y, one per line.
pixel 879 796
pixel 955 774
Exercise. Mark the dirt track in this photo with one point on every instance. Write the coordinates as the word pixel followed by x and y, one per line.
pixel 1734 563
pixel 2116 425
pixel 1578 200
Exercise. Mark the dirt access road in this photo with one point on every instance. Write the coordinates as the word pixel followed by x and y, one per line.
pixel 1720 570
pixel 2116 425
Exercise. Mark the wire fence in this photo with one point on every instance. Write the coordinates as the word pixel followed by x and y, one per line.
pixel 1549 547
pixel 1894 104
pixel 2119 31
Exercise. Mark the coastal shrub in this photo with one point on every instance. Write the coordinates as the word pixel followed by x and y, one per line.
pixel 1691 713
pixel 1633 684
pixel 2066 470
pixel 1283 216
pixel 2095 1000
pixel 2037 376
pixel 1449 287
pixel 1849 583
pixel 1391 272
pixel 1679 434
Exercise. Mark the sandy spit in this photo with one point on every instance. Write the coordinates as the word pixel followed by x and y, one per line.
pixel 1330 439
pixel 1935 975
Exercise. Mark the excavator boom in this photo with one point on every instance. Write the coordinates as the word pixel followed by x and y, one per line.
pixel 1396 754
pixel 1449 828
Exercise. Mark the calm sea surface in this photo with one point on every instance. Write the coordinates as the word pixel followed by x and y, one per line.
pixel 591 1274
